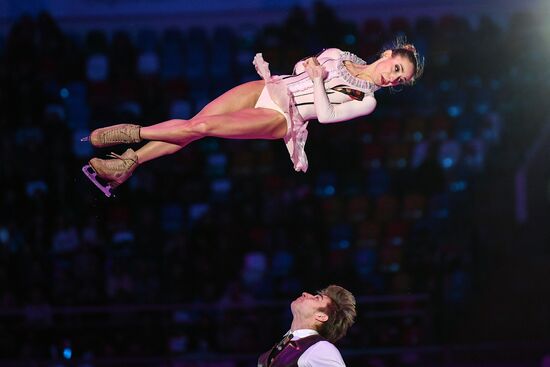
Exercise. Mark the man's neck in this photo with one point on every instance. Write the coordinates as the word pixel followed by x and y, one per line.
pixel 301 324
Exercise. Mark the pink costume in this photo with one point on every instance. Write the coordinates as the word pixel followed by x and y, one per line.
pixel 339 97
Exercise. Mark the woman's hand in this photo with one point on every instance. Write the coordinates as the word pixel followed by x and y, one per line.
pixel 314 69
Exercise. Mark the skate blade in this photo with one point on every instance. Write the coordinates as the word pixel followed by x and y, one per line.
pixel 92 176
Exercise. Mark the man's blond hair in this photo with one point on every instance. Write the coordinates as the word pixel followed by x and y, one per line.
pixel 340 311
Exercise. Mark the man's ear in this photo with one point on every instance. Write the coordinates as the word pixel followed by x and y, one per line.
pixel 387 54
pixel 321 317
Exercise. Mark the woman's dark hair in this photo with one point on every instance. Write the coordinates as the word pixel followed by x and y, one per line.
pixel 408 51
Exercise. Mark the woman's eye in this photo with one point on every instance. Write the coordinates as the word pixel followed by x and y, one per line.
pixel 396 68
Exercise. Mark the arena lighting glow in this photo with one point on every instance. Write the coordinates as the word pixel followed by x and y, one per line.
pixel 447 162
pixel 329 190
pixel 482 108
pixel 350 39
pixel 458 186
pixel 67 353
pixel 4 235
pixel 454 111
pixel 343 244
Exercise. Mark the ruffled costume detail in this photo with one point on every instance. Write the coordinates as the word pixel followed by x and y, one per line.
pixel 280 94
pixel 295 139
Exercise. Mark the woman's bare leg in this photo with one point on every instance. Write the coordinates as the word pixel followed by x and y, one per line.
pixel 242 96
pixel 248 123
pixel 229 116
pixel 156 149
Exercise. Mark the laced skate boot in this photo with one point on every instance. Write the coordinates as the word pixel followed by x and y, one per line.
pixel 114 171
pixel 113 135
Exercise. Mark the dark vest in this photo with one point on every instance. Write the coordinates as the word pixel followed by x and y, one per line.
pixel 289 356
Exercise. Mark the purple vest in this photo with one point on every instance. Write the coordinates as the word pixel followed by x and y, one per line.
pixel 290 354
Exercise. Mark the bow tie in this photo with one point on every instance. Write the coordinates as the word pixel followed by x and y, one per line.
pixel 278 348
pixel 284 342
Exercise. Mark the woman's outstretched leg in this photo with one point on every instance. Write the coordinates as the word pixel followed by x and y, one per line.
pixel 156 149
pixel 229 116
pixel 249 123
pixel 240 97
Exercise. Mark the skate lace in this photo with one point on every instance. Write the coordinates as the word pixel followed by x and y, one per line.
pixel 125 161
pixel 116 135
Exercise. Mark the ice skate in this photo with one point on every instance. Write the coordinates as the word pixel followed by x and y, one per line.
pixel 113 135
pixel 113 171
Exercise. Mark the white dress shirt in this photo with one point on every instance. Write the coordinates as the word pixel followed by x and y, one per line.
pixel 320 354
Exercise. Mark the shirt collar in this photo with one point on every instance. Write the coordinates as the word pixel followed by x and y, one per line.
pixel 302 333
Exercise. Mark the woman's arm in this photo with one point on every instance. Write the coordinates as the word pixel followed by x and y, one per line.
pixel 330 53
pixel 327 112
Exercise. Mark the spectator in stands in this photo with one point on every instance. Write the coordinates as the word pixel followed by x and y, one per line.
pixel 332 87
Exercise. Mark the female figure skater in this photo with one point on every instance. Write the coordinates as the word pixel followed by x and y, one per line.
pixel 332 87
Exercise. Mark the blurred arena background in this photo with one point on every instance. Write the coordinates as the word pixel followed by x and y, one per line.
pixel 434 210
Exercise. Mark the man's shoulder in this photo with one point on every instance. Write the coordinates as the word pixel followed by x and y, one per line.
pixel 326 345
pixel 322 354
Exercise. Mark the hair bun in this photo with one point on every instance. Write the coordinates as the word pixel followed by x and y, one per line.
pixel 409 47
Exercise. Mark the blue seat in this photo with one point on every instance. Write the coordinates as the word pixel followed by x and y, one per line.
pixel 180 109
pixel 96 42
pixel 76 105
pixel 172 59
pixel 147 40
pixel 97 67
pixel 196 54
pixel 449 154
pixel 464 128
pixel 148 63
pixel 341 236
pixel 223 55
pixel 325 185
pixel 2 45
pixel 378 181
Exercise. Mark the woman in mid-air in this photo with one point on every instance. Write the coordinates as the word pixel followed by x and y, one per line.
pixel 332 87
